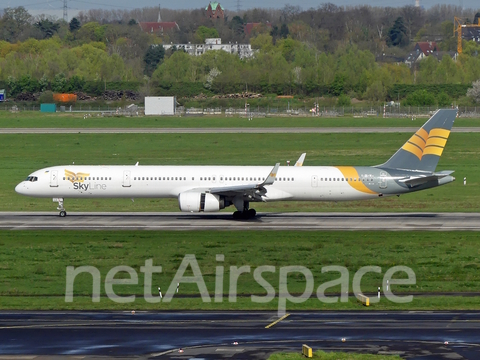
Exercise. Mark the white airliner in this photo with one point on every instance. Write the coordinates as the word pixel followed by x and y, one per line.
pixel 212 188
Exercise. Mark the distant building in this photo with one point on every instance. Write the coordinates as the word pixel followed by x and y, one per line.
pixel 425 48
pixel 471 34
pixel 421 51
pixel 158 27
pixel 248 27
pixel 242 50
pixel 413 57
pixel 215 10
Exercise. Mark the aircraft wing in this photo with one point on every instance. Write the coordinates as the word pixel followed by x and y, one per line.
pixel 413 181
pixel 252 189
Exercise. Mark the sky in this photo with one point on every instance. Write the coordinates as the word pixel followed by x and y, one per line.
pixel 55 7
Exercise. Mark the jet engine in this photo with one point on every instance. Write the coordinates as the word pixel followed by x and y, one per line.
pixel 200 202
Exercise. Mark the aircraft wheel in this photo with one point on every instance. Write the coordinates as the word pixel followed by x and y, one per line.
pixel 63 213
pixel 237 215
pixel 252 213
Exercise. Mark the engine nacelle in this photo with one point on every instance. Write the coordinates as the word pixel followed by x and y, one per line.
pixel 200 202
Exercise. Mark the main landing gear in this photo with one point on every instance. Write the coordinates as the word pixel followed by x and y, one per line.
pixel 245 214
pixel 60 207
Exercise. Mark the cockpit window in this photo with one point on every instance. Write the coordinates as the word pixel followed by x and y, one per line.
pixel 31 178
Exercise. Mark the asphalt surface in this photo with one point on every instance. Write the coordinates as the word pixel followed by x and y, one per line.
pixel 225 221
pixel 214 335
pixel 250 130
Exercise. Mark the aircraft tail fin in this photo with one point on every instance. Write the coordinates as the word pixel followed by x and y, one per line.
pixel 423 150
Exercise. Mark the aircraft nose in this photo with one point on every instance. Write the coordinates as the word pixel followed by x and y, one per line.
pixel 20 188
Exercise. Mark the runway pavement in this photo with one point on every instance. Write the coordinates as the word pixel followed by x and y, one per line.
pixel 249 130
pixel 225 221
pixel 236 335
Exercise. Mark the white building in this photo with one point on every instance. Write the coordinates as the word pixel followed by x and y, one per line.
pixel 242 50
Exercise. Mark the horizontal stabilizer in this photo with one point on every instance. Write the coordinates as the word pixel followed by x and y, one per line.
pixel 413 181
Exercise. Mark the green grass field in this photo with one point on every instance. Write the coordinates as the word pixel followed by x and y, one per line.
pixel 22 154
pixel 322 355
pixel 75 120
pixel 33 266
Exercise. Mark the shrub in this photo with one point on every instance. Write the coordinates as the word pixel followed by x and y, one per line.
pixel 343 100
pixel 420 98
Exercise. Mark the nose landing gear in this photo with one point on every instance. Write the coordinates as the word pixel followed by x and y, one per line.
pixel 60 207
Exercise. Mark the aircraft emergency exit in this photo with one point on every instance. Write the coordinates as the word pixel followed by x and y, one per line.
pixel 212 188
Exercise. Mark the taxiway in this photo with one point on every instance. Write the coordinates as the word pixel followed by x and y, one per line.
pixel 237 335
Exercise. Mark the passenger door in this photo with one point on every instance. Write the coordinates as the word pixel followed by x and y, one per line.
pixel 126 178
pixel 54 178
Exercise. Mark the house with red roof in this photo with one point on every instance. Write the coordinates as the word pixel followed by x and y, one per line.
pixel 427 48
pixel 215 10
pixel 158 27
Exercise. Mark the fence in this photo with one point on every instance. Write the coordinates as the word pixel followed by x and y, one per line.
pixel 258 112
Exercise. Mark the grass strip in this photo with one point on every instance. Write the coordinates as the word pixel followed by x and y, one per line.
pixel 36 119
pixel 33 266
pixel 334 355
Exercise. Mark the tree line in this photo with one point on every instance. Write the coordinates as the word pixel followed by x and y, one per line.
pixel 325 51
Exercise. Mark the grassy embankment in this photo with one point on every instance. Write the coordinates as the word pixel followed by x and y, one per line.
pixel 33 266
pixel 75 120
pixel 22 154
pixel 322 355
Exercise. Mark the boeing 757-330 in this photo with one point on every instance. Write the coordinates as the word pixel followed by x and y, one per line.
pixel 212 188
